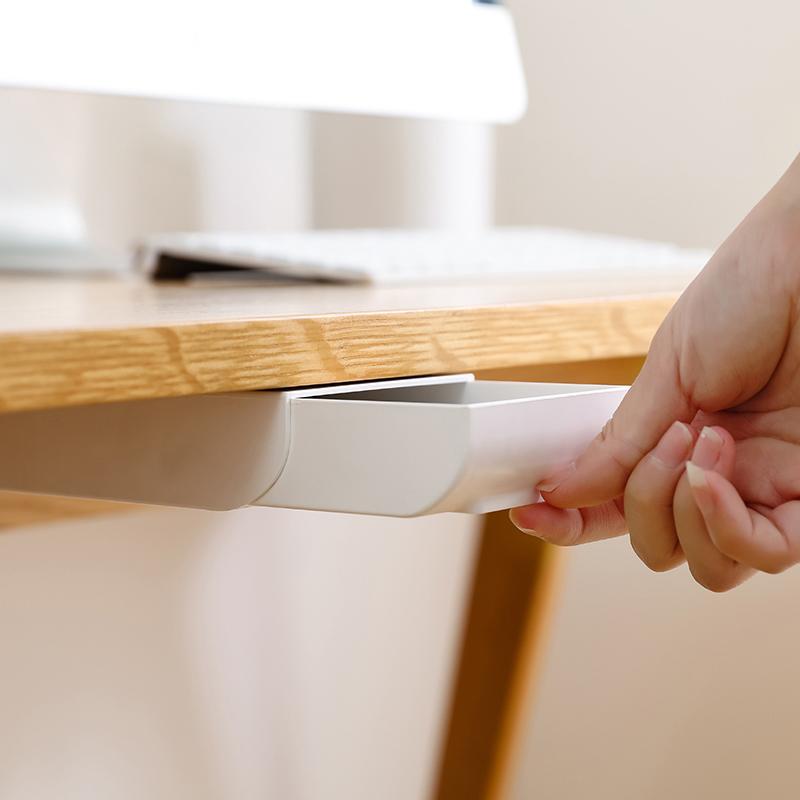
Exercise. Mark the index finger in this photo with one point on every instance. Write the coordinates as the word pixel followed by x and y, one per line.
pixel 651 405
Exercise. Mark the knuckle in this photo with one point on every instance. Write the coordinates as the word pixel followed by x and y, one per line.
pixel 655 564
pixel 654 561
pixel 615 452
pixel 637 492
pixel 773 566
pixel 559 539
pixel 651 560
pixel 728 545
pixel 624 453
pixel 771 563
pixel 569 535
pixel 715 580
pixel 607 520
pixel 651 485
pixel 660 563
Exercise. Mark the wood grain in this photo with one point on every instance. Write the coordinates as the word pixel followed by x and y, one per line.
pixel 161 352
pixel 18 510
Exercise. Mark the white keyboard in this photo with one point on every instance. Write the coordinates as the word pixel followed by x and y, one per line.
pixel 393 256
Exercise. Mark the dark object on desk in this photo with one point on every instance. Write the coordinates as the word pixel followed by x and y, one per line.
pixel 176 268
pixel 396 256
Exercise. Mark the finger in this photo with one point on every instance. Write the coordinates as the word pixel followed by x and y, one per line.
pixel 715 450
pixel 714 323
pixel 648 499
pixel 764 539
pixel 651 405
pixel 568 526
pixel 767 447
pixel 766 471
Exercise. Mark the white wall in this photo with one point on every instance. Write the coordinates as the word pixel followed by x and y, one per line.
pixel 256 654
pixel 132 166
pixel 371 172
pixel 665 120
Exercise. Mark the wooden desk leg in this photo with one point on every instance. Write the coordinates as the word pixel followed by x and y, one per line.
pixel 514 587
pixel 512 591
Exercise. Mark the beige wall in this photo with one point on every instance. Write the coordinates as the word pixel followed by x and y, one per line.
pixel 187 655
pixel 655 689
pixel 666 120
pixel 656 119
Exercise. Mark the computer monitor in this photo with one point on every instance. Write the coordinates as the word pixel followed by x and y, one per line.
pixel 452 59
pixel 446 59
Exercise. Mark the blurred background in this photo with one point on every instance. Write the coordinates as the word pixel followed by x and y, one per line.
pixel 298 655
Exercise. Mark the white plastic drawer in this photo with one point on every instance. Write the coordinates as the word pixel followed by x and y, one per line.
pixel 422 447
pixel 399 448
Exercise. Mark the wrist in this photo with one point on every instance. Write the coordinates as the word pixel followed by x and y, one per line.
pixel 788 186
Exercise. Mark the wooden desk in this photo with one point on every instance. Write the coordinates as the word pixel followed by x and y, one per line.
pixel 68 342
pixel 71 342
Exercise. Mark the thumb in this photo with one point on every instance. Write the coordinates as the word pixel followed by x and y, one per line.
pixel 726 336
pixel 651 405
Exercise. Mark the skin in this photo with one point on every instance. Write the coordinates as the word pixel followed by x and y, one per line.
pixel 701 463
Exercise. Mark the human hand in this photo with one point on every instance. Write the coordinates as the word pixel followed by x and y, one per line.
pixel 701 462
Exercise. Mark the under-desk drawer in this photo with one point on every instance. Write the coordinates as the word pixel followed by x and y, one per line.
pixel 399 448
pixel 436 444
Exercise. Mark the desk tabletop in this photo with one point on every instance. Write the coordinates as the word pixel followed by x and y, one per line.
pixel 73 341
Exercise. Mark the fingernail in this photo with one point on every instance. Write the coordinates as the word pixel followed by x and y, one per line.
pixel 675 446
pixel 707 450
pixel 700 489
pixel 551 483
pixel 513 517
pixel 696 475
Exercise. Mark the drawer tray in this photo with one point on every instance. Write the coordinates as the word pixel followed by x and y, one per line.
pixel 398 448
